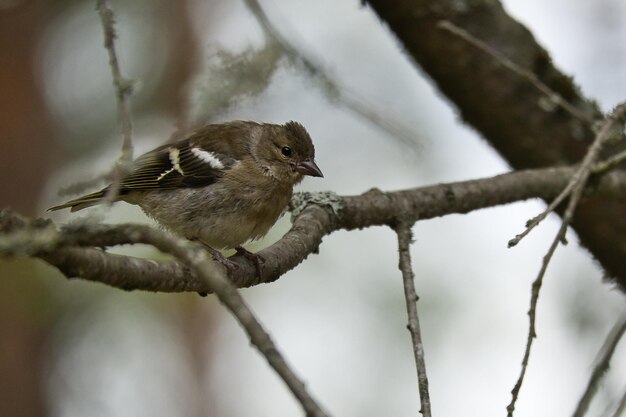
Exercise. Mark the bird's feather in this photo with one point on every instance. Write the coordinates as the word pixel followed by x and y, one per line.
pixel 184 164
pixel 197 161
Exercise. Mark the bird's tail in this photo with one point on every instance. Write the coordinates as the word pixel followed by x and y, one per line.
pixel 82 202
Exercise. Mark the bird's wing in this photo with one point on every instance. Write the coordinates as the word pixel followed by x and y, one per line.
pixel 197 161
pixel 182 164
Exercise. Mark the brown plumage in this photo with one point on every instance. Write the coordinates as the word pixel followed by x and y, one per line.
pixel 223 185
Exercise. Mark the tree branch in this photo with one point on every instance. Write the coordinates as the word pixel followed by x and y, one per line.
pixel 66 249
pixel 331 87
pixel 123 90
pixel 403 230
pixel 550 94
pixel 612 339
pixel 194 255
pixel 45 238
pixel 580 177
pixel 620 407
pixel 575 186
pixel 123 86
pixel 506 108
pixel 373 208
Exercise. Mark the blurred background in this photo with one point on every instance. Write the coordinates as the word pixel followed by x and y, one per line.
pixel 72 348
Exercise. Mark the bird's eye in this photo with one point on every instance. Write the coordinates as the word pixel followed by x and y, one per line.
pixel 286 150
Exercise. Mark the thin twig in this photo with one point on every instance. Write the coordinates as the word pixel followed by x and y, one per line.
pixel 123 86
pixel 580 177
pixel 123 90
pixel 81 186
pixel 612 339
pixel 610 163
pixel 195 257
pixel 351 100
pixel 534 222
pixel 522 72
pixel 403 230
pixel 621 407
pixel 582 174
pixel 536 286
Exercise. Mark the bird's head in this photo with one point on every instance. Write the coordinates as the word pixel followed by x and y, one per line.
pixel 287 152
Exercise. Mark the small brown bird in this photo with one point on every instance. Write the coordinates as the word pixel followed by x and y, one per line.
pixel 224 185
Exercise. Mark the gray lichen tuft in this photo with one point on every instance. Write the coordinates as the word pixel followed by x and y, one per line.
pixel 325 198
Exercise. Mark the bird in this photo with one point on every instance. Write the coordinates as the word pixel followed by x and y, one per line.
pixel 223 185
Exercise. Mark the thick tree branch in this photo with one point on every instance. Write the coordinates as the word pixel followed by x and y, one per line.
pixel 550 94
pixel 373 208
pixel 124 272
pixel 511 113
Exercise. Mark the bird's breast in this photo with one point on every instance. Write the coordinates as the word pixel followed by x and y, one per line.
pixel 216 215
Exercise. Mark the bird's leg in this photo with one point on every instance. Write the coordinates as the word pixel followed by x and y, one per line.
pixel 231 265
pixel 257 259
pixel 217 255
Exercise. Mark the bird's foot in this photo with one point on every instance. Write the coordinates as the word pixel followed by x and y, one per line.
pixel 256 259
pixel 218 257
pixel 230 265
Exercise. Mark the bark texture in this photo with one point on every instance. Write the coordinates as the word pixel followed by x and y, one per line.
pixel 514 116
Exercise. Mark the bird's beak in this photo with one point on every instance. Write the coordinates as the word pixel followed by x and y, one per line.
pixel 309 167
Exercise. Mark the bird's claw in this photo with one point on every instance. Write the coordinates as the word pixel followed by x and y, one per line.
pixel 218 257
pixel 230 265
pixel 256 259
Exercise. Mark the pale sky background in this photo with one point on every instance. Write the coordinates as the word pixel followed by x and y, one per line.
pixel 339 317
